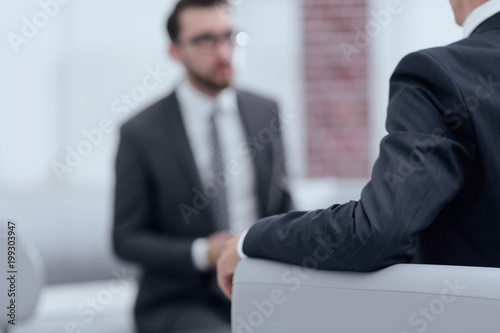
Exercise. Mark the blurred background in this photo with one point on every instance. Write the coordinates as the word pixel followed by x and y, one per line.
pixel 64 69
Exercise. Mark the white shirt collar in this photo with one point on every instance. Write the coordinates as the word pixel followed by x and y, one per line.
pixel 192 99
pixel 479 15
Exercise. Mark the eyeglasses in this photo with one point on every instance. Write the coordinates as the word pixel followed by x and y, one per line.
pixel 209 41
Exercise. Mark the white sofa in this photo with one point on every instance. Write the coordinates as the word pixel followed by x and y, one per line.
pixel 271 297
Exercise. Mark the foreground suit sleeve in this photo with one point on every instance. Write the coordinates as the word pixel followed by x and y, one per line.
pixel 422 165
pixel 134 235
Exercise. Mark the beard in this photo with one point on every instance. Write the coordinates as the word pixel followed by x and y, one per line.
pixel 208 82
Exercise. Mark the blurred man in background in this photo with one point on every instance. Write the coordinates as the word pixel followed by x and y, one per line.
pixel 434 193
pixel 191 171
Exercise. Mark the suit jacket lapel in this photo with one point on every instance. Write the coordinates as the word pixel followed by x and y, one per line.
pixel 252 126
pixel 179 141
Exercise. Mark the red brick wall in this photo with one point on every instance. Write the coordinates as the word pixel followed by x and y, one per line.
pixel 336 89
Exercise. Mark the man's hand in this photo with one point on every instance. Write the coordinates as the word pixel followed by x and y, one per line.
pixel 226 265
pixel 216 245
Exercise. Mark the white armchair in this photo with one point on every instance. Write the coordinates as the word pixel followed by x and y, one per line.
pixel 271 297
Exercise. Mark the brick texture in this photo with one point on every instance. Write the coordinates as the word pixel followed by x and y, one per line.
pixel 336 88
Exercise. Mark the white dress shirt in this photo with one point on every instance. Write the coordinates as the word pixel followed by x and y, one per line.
pixel 476 17
pixel 479 15
pixel 196 109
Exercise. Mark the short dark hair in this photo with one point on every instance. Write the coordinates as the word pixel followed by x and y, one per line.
pixel 173 26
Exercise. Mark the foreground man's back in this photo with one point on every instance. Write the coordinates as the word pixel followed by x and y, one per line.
pixel 456 111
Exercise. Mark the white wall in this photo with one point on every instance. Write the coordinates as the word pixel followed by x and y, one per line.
pixel 65 79
pixel 274 65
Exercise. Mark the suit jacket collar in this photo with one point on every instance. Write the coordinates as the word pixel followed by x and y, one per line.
pixel 177 135
pixel 252 125
pixel 490 24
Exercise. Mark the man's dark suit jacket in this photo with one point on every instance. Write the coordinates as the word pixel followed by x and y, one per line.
pixel 156 173
pixel 434 194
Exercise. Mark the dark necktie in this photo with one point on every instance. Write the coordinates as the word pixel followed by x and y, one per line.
pixel 219 208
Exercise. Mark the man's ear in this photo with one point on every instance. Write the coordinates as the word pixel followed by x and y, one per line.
pixel 173 50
